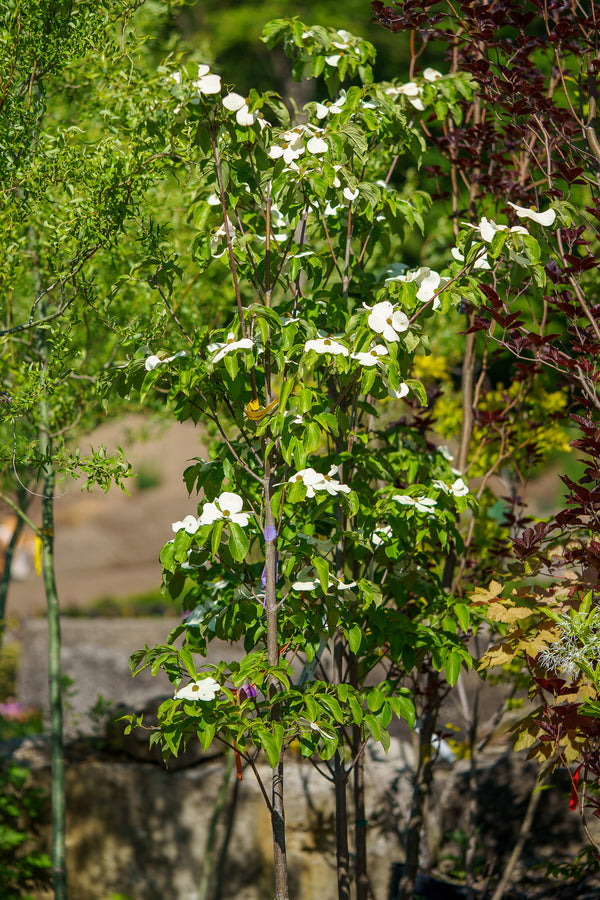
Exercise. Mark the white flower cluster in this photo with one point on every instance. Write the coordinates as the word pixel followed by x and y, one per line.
pixel 344 41
pixel 229 346
pixel 308 580
pixel 428 281
pixel 422 504
pixel 204 689
pixel 153 361
pixel 206 83
pixel 413 91
pixel 239 105
pixel 458 488
pixel 316 481
pixel 218 238
pixel 294 142
pixel 227 506
pixel 386 320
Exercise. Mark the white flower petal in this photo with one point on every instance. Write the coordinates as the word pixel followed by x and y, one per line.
pixel 401 392
pixel 189 524
pixel 208 84
pixel 542 218
pixel 152 362
pixel 204 689
pixel 326 345
pixel 210 513
pixel 317 145
pixel 233 101
pixel 459 488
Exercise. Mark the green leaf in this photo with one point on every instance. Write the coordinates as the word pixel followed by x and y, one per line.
pixel 373 726
pixel 322 567
pixel 356 709
pixel 312 437
pixel 215 537
pixel 181 545
pixel 186 658
pixel 453 667
pixel 167 557
pixel 375 700
pixel 269 745
pixel 333 706
pixel 404 708
pixel 238 542
pixel 385 739
pixel 206 732
pixel 462 613
pixel 354 636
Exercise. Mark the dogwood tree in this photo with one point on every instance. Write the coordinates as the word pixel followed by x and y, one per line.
pixel 326 516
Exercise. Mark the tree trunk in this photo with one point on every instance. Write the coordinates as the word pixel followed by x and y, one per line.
pixel 421 784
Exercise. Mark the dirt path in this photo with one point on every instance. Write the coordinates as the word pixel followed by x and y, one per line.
pixel 107 545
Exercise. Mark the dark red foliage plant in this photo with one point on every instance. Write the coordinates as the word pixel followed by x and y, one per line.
pixel 530 138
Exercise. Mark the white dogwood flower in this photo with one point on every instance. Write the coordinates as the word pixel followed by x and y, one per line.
pixel 317 145
pixel 153 361
pixel 487 229
pixel 458 488
pixel 330 484
pixel 326 345
pixel 380 535
pixel 542 218
pixel 207 83
pixel 227 506
pixel 370 357
pixel 428 281
pixel 308 580
pixel 329 108
pixel 430 74
pixel 204 689
pixel 481 261
pixel 292 143
pixel 400 392
pixel 423 504
pixel 411 90
pixel 190 524
pixel 230 346
pixel 239 105
pixel 217 247
pixel 385 320
pixel 309 477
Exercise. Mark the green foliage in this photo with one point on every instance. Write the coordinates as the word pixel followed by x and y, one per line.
pixel 22 867
pixel 362 513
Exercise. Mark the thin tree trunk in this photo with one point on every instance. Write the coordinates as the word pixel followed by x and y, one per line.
pixel 277 802
pixel 421 784
pixel 360 823
pixel 341 829
pixel 340 782
pixel 360 819
pixel 59 873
